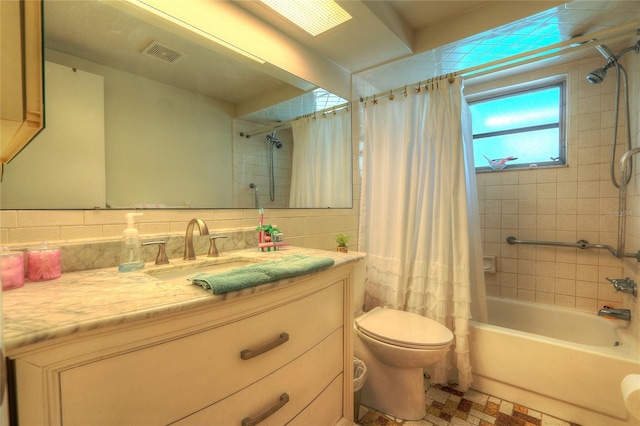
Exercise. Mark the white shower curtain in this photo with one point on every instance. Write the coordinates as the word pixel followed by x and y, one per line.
pixel 419 221
pixel 321 161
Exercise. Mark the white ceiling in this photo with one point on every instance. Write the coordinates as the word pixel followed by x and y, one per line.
pixel 577 20
pixel 387 44
pixel 392 43
pixel 386 30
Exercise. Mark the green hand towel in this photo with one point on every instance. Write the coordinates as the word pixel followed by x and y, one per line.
pixel 260 273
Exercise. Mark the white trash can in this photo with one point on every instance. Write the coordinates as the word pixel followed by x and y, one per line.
pixel 359 377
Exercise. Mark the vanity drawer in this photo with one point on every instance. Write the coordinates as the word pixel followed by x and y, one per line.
pixel 165 382
pixel 301 381
pixel 326 409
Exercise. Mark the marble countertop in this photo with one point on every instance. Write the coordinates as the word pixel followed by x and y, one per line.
pixel 92 299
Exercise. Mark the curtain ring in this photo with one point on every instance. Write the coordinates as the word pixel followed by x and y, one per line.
pixel 391 96
pixel 405 91
pixel 419 88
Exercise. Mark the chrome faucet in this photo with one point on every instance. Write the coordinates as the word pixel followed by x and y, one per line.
pixel 623 314
pixel 189 253
pixel 626 285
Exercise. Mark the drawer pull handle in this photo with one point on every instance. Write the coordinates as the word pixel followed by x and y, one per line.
pixel 248 353
pixel 248 421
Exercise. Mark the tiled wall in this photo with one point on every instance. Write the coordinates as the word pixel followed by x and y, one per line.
pixel 631 266
pixel 562 204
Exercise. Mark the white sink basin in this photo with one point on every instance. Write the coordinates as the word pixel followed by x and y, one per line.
pixel 180 273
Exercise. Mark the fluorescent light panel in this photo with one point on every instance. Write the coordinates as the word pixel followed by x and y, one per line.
pixel 313 16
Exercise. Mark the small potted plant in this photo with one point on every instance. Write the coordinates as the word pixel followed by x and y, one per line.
pixel 342 240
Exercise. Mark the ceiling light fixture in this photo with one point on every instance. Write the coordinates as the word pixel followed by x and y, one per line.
pixel 313 16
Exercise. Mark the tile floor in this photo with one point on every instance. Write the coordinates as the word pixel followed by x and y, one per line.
pixel 448 407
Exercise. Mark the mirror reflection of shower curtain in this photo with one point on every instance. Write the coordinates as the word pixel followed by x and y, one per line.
pixel 321 161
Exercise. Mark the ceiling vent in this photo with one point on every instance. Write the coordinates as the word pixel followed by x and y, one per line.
pixel 162 53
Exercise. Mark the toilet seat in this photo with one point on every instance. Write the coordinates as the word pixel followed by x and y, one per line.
pixel 404 329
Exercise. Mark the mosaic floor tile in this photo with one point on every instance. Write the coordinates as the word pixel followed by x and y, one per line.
pixel 373 418
pixel 447 406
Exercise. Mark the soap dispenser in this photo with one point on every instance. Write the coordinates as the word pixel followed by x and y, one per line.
pixel 130 255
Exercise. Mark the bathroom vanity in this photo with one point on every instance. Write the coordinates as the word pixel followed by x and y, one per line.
pixel 99 347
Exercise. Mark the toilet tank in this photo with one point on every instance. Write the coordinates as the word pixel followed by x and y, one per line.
pixel 359 274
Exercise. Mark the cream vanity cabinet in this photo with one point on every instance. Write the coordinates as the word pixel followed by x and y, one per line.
pixel 280 356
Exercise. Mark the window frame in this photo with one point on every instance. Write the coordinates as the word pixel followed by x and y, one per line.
pixel 532 86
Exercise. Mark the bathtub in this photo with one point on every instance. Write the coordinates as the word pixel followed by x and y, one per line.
pixel 562 362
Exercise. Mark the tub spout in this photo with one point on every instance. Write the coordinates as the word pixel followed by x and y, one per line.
pixel 623 314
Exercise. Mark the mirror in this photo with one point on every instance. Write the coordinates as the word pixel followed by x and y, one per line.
pixel 144 113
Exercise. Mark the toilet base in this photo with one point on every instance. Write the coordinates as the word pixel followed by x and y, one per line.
pixel 398 392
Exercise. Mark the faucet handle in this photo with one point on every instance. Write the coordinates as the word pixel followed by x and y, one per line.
pixel 626 285
pixel 613 281
pixel 213 250
pixel 161 258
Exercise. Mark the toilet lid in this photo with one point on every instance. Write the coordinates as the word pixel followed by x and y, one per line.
pixel 402 328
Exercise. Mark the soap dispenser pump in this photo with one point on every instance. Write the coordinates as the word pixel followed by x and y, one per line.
pixel 130 255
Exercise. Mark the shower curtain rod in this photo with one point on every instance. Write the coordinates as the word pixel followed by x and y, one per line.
pixel 575 44
pixel 287 123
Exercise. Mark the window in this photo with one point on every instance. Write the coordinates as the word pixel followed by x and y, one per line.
pixel 519 127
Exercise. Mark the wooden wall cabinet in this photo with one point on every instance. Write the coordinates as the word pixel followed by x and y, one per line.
pixel 21 76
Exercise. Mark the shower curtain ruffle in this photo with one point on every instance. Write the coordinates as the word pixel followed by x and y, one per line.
pixel 383 276
pixel 418 212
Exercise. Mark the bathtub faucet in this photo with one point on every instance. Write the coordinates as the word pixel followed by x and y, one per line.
pixel 623 314
pixel 625 285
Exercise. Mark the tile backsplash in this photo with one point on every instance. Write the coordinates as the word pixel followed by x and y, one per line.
pixel 91 238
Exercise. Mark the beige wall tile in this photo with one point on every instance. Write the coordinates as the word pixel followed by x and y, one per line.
pixel 78 232
pixel 36 218
pixel 565 301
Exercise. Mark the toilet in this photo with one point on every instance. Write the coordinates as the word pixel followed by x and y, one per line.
pixel 395 346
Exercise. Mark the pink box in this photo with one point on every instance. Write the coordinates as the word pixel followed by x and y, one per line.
pixel 44 263
pixel 12 269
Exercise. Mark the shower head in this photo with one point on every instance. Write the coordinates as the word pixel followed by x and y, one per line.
pixel 274 142
pixel 597 76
